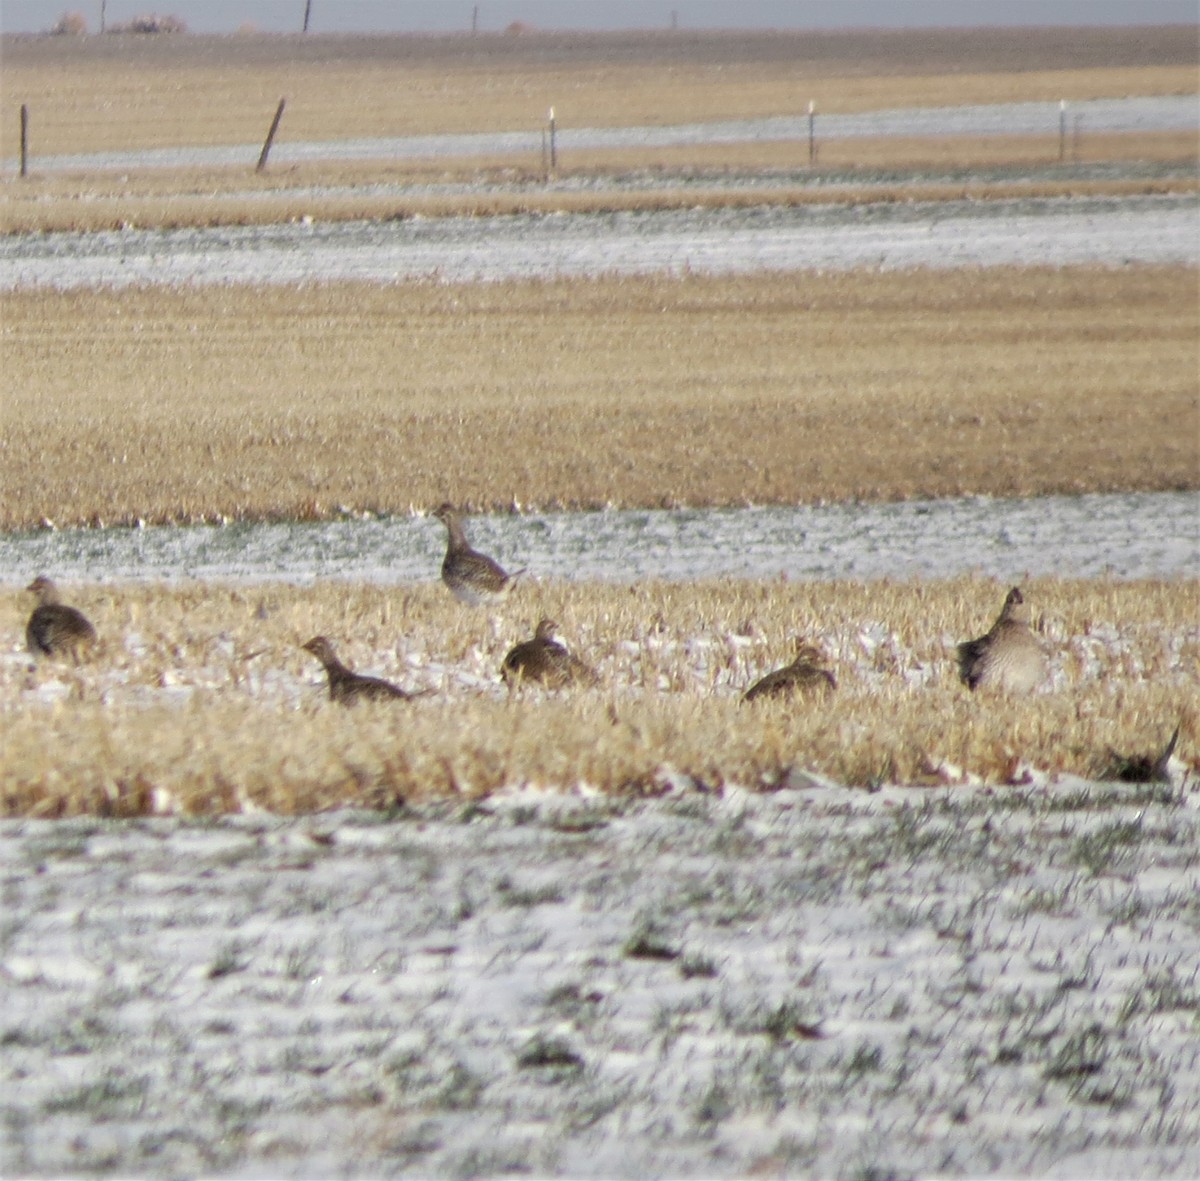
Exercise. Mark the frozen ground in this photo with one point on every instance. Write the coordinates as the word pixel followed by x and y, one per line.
pixel 1131 114
pixel 819 982
pixel 884 236
pixel 1125 535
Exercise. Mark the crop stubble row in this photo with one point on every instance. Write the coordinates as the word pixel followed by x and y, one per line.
pixel 185 405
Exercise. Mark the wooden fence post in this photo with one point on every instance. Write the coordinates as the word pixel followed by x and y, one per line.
pixel 553 145
pixel 1062 130
pixel 812 136
pixel 307 14
pixel 24 140
pixel 262 159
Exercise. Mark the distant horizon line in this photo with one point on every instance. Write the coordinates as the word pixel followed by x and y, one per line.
pixel 528 30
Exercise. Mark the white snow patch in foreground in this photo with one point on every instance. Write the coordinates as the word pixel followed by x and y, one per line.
pixel 824 982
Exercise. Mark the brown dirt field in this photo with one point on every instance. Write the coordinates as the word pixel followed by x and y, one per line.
pixel 201 701
pixel 178 405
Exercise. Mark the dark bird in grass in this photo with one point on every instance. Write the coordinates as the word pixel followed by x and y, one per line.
pixel 1141 768
pixel 472 578
pixel 545 661
pixel 347 687
pixel 1008 656
pixel 806 674
pixel 54 629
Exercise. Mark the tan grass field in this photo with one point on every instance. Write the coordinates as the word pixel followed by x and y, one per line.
pixel 98 93
pixel 201 701
pixel 112 93
pixel 189 405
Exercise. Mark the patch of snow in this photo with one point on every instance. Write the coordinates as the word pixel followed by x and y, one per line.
pixel 1141 535
pixel 889 236
pixel 699 985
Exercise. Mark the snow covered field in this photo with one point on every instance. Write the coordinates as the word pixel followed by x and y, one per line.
pixel 815 982
pixel 1126 535
pixel 890 236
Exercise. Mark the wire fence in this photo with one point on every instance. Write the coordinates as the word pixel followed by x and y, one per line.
pixel 1051 131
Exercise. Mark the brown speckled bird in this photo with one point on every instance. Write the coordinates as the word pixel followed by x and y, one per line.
pixel 1008 656
pixel 545 661
pixel 806 674
pixel 472 578
pixel 55 629
pixel 347 687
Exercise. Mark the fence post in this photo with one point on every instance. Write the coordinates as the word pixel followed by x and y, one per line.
pixel 262 159
pixel 24 140
pixel 1062 130
pixel 553 145
pixel 474 20
pixel 812 137
pixel 307 14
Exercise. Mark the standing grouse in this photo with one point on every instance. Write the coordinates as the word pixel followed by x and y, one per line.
pixel 473 578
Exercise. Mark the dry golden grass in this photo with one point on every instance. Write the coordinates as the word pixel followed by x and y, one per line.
pixel 183 405
pixel 101 93
pixel 202 702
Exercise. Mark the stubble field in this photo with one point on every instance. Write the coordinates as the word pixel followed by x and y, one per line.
pixel 647 392
pixel 201 702
pixel 197 90
pixel 113 93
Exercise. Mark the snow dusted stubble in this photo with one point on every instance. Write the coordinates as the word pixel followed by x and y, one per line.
pixel 202 701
